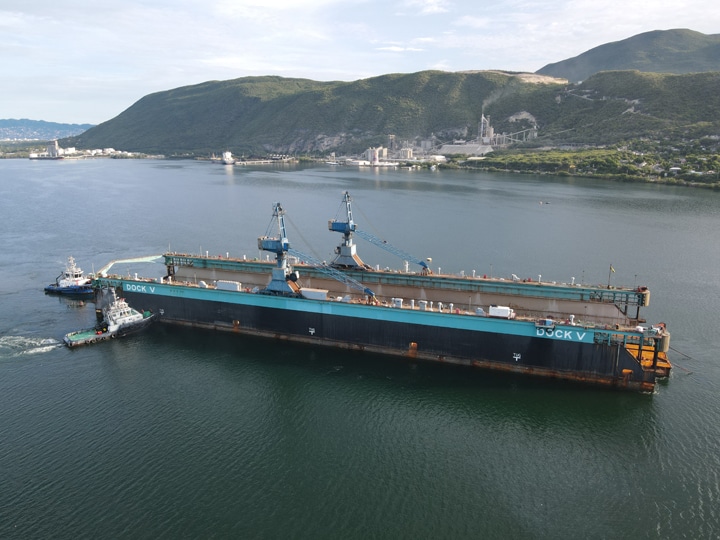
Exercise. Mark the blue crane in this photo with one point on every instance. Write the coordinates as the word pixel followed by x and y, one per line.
pixel 347 256
pixel 347 252
pixel 283 277
pixel 278 245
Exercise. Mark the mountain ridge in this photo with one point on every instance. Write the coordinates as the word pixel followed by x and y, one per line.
pixel 257 116
pixel 677 51
pixel 272 114
pixel 12 129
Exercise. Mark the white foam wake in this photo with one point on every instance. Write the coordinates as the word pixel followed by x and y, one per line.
pixel 13 346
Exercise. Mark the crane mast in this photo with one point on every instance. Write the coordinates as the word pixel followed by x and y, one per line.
pixel 347 256
pixel 278 245
pixel 284 279
pixel 346 253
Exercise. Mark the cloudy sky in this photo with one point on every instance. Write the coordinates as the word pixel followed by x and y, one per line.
pixel 85 61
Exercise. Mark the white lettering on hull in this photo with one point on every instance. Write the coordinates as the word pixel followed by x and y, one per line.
pixel 133 287
pixel 558 333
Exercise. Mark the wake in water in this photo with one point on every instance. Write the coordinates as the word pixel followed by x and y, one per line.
pixel 14 346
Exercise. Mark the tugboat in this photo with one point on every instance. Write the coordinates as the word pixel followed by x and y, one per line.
pixel 71 281
pixel 118 320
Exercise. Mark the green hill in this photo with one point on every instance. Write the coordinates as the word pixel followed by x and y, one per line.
pixel 261 115
pixel 662 51
pixel 620 105
pixel 273 114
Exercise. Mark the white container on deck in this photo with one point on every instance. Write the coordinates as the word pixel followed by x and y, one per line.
pixel 314 294
pixel 502 312
pixel 228 285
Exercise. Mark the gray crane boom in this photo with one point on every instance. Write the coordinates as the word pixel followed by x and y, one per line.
pixel 392 249
pixel 332 272
pixel 347 254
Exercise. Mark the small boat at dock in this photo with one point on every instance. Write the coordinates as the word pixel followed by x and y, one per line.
pixel 228 159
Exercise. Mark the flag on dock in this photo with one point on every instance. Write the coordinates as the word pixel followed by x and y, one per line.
pixel 611 268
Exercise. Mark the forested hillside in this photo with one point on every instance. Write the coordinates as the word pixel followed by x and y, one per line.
pixel 260 115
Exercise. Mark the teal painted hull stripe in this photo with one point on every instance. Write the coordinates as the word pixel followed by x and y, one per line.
pixel 362 311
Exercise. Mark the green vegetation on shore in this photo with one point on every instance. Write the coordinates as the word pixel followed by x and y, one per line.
pixel 21 149
pixel 694 165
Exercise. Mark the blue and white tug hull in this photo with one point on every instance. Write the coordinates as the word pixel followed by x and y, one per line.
pixel 71 282
pixel 70 290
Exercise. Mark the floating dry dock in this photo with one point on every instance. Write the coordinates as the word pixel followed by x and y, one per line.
pixel 533 299
pixel 587 334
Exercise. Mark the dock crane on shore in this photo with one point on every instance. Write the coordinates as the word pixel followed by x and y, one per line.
pixel 284 279
pixel 347 256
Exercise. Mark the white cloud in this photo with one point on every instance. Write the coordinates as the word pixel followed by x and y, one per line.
pixel 398 48
pixel 474 22
pixel 428 7
pixel 78 62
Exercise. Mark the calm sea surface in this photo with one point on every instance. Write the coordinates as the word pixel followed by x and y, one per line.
pixel 177 433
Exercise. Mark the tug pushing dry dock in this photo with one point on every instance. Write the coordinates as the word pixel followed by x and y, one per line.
pixel 509 325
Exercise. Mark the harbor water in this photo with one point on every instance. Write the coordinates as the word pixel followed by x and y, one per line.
pixel 182 433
